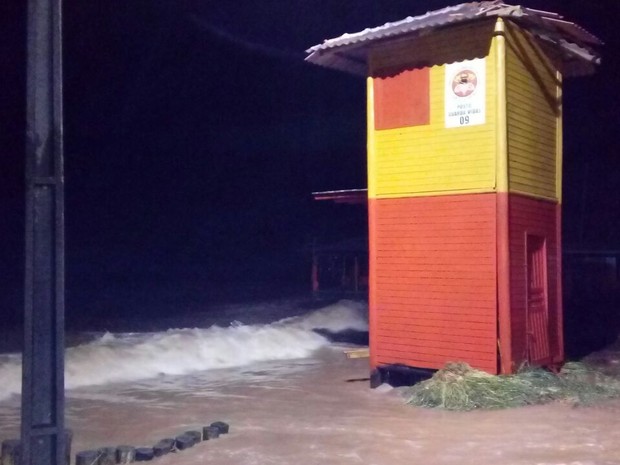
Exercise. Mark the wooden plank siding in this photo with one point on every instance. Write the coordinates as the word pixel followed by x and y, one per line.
pixel 431 159
pixel 536 217
pixel 450 208
pixel 433 290
pixel 532 89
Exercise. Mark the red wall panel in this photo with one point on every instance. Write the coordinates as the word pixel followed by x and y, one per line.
pixel 433 281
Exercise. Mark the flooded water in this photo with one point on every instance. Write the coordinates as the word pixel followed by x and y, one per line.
pixel 292 397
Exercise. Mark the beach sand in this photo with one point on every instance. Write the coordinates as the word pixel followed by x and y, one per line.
pixel 320 410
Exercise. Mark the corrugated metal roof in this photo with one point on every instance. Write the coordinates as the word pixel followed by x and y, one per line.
pixel 349 51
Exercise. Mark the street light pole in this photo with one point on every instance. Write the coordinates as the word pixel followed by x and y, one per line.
pixel 42 420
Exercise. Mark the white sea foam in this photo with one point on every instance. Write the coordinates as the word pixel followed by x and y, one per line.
pixel 126 357
pixel 337 317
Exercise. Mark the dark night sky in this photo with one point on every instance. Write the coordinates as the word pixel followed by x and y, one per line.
pixel 195 134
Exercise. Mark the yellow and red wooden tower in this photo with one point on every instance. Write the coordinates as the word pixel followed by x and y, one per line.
pixel 465 181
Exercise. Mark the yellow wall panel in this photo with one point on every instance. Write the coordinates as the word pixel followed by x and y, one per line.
pixel 533 117
pixel 432 159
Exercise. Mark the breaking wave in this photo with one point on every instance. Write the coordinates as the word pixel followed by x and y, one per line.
pixel 133 356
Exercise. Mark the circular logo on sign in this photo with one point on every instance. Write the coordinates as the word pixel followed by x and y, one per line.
pixel 464 83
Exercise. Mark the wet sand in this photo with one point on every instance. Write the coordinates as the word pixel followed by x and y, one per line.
pixel 321 411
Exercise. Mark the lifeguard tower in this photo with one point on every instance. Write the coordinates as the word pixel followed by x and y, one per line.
pixel 465 182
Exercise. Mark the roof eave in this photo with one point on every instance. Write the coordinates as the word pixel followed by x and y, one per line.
pixel 340 61
pixel 349 52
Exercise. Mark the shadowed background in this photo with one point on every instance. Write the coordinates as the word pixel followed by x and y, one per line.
pixel 195 133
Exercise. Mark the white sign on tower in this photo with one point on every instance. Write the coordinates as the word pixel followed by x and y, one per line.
pixel 465 93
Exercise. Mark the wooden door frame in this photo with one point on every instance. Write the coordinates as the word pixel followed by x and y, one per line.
pixel 544 239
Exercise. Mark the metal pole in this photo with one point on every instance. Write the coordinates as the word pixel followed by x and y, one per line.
pixel 42 422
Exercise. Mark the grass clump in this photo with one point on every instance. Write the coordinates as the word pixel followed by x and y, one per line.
pixel 459 387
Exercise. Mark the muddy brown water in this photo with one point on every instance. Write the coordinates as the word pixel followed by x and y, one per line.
pixel 321 411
